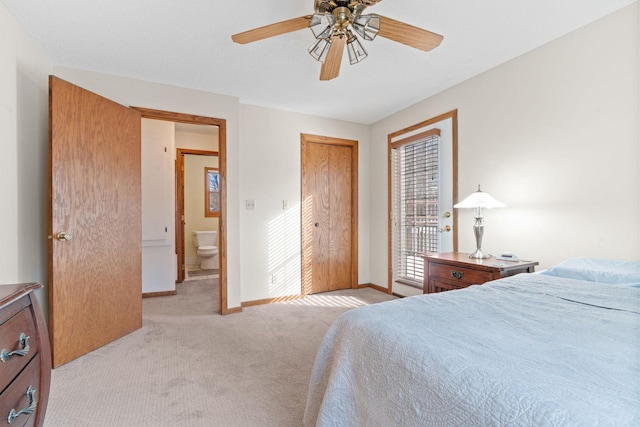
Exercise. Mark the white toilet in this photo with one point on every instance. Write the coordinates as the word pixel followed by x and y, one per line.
pixel 205 242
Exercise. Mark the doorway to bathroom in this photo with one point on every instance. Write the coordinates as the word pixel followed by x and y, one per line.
pixel 198 211
pixel 177 249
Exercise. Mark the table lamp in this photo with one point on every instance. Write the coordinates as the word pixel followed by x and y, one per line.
pixel 477 201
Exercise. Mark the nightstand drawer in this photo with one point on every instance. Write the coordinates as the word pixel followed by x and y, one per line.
pixel 439 286
pixel 458 274
pixel 455 270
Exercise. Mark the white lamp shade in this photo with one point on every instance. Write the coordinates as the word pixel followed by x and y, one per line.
pixel 480 199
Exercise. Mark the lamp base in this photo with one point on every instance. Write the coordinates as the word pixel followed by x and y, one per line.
pixel 477 254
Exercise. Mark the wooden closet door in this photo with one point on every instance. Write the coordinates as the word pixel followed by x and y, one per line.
pixel 340 217
pixel 329 214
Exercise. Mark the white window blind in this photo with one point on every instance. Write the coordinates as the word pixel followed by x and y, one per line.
pixel 415 190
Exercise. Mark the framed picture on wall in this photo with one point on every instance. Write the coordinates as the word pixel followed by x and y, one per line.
pixel 211 192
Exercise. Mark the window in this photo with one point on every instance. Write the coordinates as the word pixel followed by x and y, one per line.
pixel 211 192
pixel 415 197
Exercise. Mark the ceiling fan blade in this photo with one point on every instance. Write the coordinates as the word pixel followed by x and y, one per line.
pixel 408 34
pixel 272 30
pixel 331 66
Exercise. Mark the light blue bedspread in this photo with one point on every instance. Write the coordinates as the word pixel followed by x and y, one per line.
pixel 529 350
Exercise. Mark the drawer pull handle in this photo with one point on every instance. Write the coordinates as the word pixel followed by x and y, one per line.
pixel 23 341
pixel 33 404
pixel 456 274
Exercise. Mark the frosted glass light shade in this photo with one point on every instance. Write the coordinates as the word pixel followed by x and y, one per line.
pixel 367 26
pixel 355 49
pixel 320 49
pixel 322 25
pixel 480 199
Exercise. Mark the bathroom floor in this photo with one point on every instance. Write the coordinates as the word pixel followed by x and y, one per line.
pixel 195 273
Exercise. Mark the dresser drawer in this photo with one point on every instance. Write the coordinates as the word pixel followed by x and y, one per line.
pixel 458 274
pixel 15 396
pixel 20 325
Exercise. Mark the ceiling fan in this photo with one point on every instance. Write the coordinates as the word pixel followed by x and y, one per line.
pixel 333 25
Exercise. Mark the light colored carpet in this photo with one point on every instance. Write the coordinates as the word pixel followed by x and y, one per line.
pixel 189 366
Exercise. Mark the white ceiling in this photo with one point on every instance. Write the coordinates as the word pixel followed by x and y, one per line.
pixel 188 44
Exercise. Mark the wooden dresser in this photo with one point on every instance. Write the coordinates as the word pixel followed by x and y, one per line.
pixel 25 357
pixel 455 270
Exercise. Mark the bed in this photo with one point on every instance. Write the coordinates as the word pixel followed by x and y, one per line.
pixel 557 348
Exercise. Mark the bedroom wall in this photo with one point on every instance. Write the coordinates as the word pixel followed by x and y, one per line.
pixel 263 164
pixel 554 135
pixel 24 94
pixel 269 174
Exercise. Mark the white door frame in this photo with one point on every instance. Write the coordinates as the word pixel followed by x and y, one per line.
pixel 448 125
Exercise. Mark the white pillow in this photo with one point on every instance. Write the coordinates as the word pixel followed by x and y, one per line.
pixel 614 272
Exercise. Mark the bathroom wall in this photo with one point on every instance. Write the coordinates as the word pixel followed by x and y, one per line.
pixel 159 264
pixel 205 138
pixel 194 188
pixel 197 137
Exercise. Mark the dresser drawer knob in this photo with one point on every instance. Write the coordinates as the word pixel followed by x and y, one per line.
pixel 457 274
pixel 23 342
pixel 33 404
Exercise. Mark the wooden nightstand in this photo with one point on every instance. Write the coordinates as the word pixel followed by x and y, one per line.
pixel 455 270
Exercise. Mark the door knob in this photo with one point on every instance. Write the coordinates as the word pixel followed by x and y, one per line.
pixel 64 236
pixel 446 228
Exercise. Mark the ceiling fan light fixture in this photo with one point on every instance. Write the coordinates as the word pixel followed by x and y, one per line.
pixel 319 49
pixel 355 49
pixel 367 26
pixel 321 25
pixel 340 24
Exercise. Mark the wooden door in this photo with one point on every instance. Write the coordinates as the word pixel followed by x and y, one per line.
pixel 180 208
pixel 444 232
pixel 329 214
pixel 95 269
pixel 180 216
